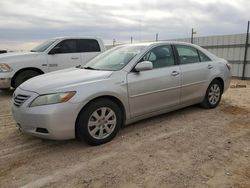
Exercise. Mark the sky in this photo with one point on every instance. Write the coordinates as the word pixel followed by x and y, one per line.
pixel 26 23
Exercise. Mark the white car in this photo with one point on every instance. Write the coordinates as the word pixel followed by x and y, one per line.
pixel 52 55
pixel 122 85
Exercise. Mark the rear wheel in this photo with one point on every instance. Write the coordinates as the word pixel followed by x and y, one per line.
pixel 213 95
pixel 98 122
pixel 23 76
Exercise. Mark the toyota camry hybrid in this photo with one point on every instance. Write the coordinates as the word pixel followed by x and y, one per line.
pixel 120 86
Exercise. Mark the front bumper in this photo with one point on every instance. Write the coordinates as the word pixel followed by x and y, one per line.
pixel 5 79
pixel 5 83
pixel 58 119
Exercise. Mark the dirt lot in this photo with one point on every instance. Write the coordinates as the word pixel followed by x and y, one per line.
pixel 192 147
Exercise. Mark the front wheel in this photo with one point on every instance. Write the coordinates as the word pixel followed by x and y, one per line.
pixel 23 76
pixel 213 95
pixel 99 122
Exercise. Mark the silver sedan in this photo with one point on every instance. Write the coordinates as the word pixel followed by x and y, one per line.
pixel 123 85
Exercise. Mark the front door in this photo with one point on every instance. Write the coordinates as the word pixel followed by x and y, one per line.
pixel 66 55
pixel 155 89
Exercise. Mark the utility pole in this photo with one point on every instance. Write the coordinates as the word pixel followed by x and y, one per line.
pixel 192 35
pixel 131 39
pixel 156 37
pixel 245 55
pixel 114 42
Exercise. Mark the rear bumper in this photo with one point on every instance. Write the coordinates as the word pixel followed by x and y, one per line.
pixel 227 81
pixel 227 84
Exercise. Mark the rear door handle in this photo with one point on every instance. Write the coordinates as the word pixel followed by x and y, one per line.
pixel 175 73
pixel 209 66
pixel 53 65
pixel 74 57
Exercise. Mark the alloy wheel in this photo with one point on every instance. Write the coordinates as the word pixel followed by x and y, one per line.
pixel 214 94
pixel 102 123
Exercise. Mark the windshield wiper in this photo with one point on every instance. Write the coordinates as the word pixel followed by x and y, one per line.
pixel 33 50
pixel 90 68
pixel 78 66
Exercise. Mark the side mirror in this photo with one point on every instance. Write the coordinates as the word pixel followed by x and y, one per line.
pixel 55 50
pixel 144 66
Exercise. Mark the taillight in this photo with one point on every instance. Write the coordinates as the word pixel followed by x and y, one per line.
pixel 229 66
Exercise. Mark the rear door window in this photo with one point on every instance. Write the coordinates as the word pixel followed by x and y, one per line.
pixel 88 45
pixel 187 54
pixel 203 57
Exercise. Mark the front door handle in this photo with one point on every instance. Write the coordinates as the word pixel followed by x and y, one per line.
pixel 74 58
pixel 209 66
pixel 175 73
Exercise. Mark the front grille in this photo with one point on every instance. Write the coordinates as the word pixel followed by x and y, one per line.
pixel 20 99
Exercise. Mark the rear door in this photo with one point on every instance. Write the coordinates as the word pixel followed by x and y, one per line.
pixel 89 48
pixel 155 89
pixel 196 69
pixel 67 56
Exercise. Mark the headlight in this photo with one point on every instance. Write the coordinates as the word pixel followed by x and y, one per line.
pixel 52 98
pixel 5 67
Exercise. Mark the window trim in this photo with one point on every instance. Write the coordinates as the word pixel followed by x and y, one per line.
pixel 199 55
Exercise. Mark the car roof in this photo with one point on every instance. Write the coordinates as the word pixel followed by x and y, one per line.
pixel 76 37
pixel 159 43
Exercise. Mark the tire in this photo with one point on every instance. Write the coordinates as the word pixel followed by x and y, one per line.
pixel 23 76
pixel 93 121
pixel 213 95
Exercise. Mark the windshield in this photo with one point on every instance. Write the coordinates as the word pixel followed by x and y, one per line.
pixel 114 59
pixel 42 47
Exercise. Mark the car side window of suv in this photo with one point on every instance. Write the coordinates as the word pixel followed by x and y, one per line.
pixel 161 56
pixel 88 45
pixel 187 54
pixel 67 46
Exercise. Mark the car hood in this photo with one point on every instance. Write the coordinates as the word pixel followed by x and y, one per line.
pixel 63 80
pixel 17 55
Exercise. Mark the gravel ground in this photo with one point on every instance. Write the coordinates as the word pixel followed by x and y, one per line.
pixel 192 147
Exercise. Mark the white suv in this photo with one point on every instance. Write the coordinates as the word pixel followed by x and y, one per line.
pixel 52 55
